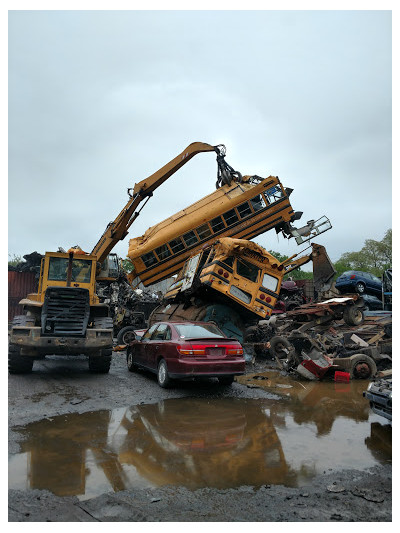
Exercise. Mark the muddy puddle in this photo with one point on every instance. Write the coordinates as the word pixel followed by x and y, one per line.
pixel 221 443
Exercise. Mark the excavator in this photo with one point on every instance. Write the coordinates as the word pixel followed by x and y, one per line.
pixel 66 316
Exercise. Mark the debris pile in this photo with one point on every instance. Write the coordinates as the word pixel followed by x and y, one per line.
pixel 31 264
pixel 128 307
pixel 317 340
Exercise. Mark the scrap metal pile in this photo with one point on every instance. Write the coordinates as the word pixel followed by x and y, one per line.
pixel 316 340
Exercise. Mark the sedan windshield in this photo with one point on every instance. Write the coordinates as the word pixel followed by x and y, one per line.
pixel 197 331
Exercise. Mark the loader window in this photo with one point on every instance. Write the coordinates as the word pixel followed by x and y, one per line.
pixel 247 270
pixel 81 269
pixel 58 268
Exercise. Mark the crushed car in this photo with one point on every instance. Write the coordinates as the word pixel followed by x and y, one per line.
pixel 379 394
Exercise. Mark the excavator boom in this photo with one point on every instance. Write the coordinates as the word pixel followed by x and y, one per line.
pixel 142 191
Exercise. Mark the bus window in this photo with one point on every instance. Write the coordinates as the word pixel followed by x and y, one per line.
pixel 217 224
pixel 228 261
pixel 230 217
pixel 190 238
pixel 203 231
pixel 247 270
pixel 269 282
pixel 258 203
pixel 176 245
pixel 149 259
pixel 163 252
pixel 244 210
pixel 273 194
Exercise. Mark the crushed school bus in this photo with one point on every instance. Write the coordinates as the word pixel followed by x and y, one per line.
pixel 240 210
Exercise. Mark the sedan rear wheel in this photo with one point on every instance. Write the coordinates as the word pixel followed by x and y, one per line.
pixel 162 375
pixel 360 287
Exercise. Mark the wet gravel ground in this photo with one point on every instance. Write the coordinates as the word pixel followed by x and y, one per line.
pixel 61 386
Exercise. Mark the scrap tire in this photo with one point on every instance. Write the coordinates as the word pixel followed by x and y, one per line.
pixel 162 375
pixel 126 335
pixel 278 347
pixel 353 315
pixel 100 364
pixel 129 361
pixel 226 380
pixel 362 367
pixel 18 364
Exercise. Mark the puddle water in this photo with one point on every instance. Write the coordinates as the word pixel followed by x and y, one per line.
pixel 220 443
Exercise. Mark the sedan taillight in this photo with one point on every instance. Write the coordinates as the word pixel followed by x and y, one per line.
pixel 191 349
pixel 235 351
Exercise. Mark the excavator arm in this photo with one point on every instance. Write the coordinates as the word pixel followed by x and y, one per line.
pixel 323 269
pixel 142 191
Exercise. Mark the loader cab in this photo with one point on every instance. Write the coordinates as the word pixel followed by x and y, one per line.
pixel 67 270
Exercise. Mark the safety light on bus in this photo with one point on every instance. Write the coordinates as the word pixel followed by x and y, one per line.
pixel 220 271
pixel 267 299
pixel 274 265
pixel 280 267
pixel 262 296
pixel 226 275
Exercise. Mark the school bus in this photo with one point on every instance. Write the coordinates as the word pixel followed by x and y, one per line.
pixel 239 273
pixel 239 210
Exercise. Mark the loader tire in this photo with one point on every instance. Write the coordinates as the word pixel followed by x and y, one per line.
pixel 100 364
pixel 18 364
pixel 279 347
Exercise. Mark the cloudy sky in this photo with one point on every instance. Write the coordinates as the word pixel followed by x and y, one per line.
pixel 99 100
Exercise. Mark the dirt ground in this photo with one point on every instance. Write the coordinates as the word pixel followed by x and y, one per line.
pixel 61 387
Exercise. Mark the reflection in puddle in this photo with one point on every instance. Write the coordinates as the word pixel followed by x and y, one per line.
pixel 220 443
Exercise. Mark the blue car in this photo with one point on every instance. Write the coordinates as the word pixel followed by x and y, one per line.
pixel 372 303
pixel 361 282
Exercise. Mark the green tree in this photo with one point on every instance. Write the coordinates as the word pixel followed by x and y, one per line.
pixel 374 257
pixel 14 260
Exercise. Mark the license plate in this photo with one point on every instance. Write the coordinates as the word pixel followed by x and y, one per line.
pixel 216 352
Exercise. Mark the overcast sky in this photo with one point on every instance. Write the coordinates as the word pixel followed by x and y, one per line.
pixel 101 100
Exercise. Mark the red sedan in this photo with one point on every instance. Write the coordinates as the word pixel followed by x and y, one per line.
pixel 178 350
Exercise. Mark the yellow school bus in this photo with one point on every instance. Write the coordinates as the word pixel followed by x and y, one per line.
pixel 239 210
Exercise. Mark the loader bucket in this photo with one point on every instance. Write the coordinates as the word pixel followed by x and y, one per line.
pixel 323 269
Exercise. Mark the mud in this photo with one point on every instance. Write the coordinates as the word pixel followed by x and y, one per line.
pixel 276 452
